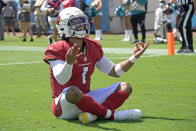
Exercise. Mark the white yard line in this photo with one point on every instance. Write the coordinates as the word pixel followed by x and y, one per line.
pixel 149 52
pixel 20 63
pixel 38 62
pixel 130 51
pixel 106 50
pixel 21 48
pixel 120 58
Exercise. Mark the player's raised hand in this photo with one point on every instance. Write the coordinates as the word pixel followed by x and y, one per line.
pixel 73 54
pixel 138 51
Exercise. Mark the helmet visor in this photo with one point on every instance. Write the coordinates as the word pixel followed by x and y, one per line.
pixel 78 21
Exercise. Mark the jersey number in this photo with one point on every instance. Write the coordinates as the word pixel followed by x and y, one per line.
pixel 85 70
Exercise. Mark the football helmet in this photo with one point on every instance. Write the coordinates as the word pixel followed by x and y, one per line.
pixel 72 22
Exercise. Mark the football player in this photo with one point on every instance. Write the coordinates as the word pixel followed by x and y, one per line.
pixel 52 7
pixel 72 61
pixel 138 10
pixel 160 31
pixel 164 17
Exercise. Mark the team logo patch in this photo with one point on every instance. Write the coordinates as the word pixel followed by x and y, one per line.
pixel 58 20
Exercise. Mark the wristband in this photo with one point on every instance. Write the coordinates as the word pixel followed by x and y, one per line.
pixel 119 71
pixel 133 59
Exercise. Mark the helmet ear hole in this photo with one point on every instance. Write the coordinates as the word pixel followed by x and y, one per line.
pixel 62 29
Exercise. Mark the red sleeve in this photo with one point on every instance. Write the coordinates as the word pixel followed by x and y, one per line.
pixel 56 51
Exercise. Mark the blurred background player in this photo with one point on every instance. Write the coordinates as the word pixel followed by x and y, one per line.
pixel 52 7
pixel 9 18
pixel 25 19
pixel 138 11
pixel 82 6
pixel 184 23
pixel 72 61
pixel 2 4
pixel 96 15
pixel 160 29
pixel 18 17
pixel 164 18
pixel 176 16
pixel 40 18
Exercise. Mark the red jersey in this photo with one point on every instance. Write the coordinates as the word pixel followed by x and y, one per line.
pixel 67 3
pixel 82 69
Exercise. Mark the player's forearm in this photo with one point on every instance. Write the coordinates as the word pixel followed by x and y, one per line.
pixel 126 65
pixel 122 67
pixel 61 71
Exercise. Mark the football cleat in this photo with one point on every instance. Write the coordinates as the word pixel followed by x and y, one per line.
pixel 132 114
pixel 183 50
pixel 135 41
pixel 86 117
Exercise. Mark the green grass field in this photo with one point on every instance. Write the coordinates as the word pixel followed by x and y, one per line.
pixel 164 88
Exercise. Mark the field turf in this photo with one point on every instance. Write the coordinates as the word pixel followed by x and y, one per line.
pixel 164 88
